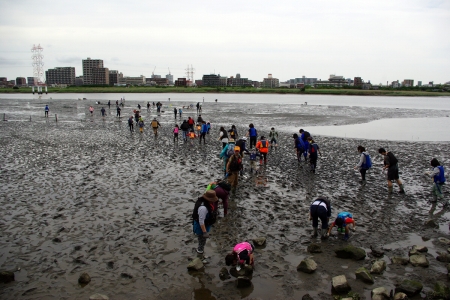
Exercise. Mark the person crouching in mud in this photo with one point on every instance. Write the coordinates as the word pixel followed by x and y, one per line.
pixel 242 254
pixel 320 209
pixel 343 222
pixel 204 216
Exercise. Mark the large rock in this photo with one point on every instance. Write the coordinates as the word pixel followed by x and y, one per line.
pixel 260 241
pixel 409 287
pixel 377 252
pixel 419 260
pixel 340 284
pixel 400 296
pixel 314 248
pixel 224 275
pixel 196 264
pixel 380 293
pixel 245 271
pixel 6 276
pixel 418 250
pixel 443 257
pixel 396 260
pixel 441 291
pixel 351 252
pixel 378 267
pixel 98 297
pixel 307 265
pixel 243 282
pixel 363 274
pixel 84 279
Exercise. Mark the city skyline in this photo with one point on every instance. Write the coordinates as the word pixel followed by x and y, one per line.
pixel 378 41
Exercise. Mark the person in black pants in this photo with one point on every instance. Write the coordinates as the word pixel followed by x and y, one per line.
pixel 320 209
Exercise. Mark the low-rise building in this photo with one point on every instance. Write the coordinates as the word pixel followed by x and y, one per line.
pixel 181 82
pixel 157 81
pixel 114 77
pixel 211 80
pixel 140 80
pixel 408 83
pixel 21 81
pixel 357 81
pixel 60 75
pixel 31 81
pixel 270 82
pixel 333 81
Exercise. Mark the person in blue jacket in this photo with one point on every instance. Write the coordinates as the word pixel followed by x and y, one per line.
pixel 253 134
pixel 203 131
pixel 299 146
pixel 304 136
pixel 438 176
pixel 46 111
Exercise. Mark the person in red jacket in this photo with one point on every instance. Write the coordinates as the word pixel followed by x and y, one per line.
pixel 263 147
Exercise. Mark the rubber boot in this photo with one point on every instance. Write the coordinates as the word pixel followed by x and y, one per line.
pixel 324 234
pixel 346 237
pixel 390 189
pixel 402 190
pixel 314 232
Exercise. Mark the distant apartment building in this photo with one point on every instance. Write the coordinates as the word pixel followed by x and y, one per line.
pixel 181 82
pixel 12 82
pixel 238 81
pixel 21 81
pixel 270 82
pixel 357 81
pixel 214 80
pixel 31 81
pixel 157 81
pixel 94 73
pixel 169 77
pixel 139 80
pixel 256 84
pixel 3 81
pixel 60 75
pixel 333 81
pixel 115 77
pixel 419 83
pixel 79 81
pixel 408 83
pixel 395 84
pixel 199 82
pixel 304 80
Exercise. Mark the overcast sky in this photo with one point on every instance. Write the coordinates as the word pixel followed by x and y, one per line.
pixel 380 41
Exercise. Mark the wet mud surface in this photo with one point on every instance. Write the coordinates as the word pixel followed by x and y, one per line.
pixel 85 195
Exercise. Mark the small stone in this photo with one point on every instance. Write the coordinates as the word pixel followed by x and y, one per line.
pixel 224 275
pixel 377 252
pixel 443 257
pixel 381 293
pixel 378 267
pixel 314 248
pixel 110 265
pixel 56 240
pixel 307 297
pixel 126 275
pixel 444 240
pixel 352 252
pixel 6 276
pixel 196 264
pixel 396 260
pixel 98 297
pixel 419 260
pixel 400 296
pixel 409 287
pixel 243 282
pixel 307 266
pixel 340 284
pixel 84 279
pixel 245 271
pixel 363 274
pixel 260 241
pixel 431 223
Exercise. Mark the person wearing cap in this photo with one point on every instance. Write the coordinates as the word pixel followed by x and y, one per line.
pixel 155 125
pixel 234 166
pixel 227 152
pixel 242 254
pixel 204 216
pixel 320 209
pixel 263 148
pixel 241 143
pixel 343 222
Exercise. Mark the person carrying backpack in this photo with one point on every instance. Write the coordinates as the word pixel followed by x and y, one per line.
pixel 131 123
pixel 263 147
pixel 141 125
pixel 203 131
pixel 299 146
pixel 343 222
pixel 227 152
pixel 191 123
pixel 155 125
pixel 233 167
pixel 223 137
pixel 203 217
pixel 304 136
pixel 365 163
pixel 273 136
pixel 222 189
pixel 233 132
pixel 313 151
pixel 391 164
pixel 438 176
pixel 185 128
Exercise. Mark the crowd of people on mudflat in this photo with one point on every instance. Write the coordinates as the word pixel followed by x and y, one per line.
pixel 234 148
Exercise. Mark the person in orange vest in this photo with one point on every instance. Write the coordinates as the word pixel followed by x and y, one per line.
pixel 263 147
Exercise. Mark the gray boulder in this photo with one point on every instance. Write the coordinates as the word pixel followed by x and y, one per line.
pixel 409 287
pixel 380 293
pixel 377 252
pixel 224 275
pixel 98 297
pixel 418 250
pixel 396 260
pixel 378 267
pixel 363 274
pixel 245 271
pixel 6 276
pixel 431 224
pixel 243 282
pixel 260 241
pixel 443 257
pixel 195 264
pixel 84 279
pixel 400 296
pixel 340 284
pixel 314 248
pixel 419 260
pixel 351 252
pixel 307 266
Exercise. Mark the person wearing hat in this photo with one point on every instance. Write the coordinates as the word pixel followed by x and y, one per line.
pixel 204 216
pixel 227 152
pixel 241 143
pixel 234 166
pixel 343 222
pixel 242 254
pixel 263 147
pixel 155 125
